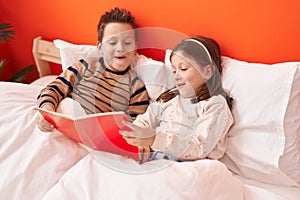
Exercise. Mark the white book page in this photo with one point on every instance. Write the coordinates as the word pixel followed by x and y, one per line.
pixel 71 108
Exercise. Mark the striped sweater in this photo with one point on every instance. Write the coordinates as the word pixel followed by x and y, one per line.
pixel 98 89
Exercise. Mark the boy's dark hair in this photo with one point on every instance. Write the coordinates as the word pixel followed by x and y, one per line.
pixel 116 15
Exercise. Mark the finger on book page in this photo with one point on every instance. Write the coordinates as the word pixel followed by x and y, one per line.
pixel 129 124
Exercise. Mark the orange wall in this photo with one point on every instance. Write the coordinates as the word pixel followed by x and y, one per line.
pixel 253 30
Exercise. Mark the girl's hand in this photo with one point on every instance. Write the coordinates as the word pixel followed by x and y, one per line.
pixel 43 124
pixel 138 136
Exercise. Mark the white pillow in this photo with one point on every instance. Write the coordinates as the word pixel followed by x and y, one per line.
pixel 43 81
pixel 71 53
pixel 156 76
pixel 263 141
pixel 289 162
pixel 153 73
pixel 167 57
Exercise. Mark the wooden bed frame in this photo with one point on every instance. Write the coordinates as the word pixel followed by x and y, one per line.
pixel 44 53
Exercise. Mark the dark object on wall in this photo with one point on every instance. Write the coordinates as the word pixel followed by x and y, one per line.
pixel 6 34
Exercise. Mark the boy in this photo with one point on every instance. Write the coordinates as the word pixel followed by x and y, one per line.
pixel 106 84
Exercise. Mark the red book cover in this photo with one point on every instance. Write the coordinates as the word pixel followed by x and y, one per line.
pixel 99 131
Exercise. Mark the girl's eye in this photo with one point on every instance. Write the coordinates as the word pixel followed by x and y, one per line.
pixel 185 67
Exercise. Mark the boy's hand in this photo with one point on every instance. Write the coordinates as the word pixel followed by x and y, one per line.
pixel 43 124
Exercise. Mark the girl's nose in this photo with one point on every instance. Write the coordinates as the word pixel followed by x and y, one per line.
pixel 177 75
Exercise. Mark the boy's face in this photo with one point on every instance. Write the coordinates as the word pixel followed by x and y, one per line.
pixel 118 45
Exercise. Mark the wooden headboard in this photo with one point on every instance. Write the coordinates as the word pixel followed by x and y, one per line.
pixel 44 53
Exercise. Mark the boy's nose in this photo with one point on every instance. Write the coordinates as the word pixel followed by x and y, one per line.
pixel 120 47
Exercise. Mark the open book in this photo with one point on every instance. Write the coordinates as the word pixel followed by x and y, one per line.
pixel 99 131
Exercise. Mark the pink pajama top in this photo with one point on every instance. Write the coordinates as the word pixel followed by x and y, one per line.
pixel 189 131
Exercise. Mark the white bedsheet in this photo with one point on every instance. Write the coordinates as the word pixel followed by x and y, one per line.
pixel 39 165
pixel 194 180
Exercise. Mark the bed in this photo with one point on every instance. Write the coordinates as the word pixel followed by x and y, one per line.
pixel 262 161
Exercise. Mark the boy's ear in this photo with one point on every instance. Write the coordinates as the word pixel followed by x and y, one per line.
pixel 98 45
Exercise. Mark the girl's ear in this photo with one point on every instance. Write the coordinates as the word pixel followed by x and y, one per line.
pixel 208 72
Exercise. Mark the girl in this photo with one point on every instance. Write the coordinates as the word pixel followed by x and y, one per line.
pixel 106 84
pixel 191 121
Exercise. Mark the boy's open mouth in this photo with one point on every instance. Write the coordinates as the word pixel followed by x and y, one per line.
pixel 120 57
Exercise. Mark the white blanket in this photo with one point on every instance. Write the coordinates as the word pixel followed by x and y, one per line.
pixel 39 165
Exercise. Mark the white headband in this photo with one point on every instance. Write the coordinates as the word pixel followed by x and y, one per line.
pixel 203 46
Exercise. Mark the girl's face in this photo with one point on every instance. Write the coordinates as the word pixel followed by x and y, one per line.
pixel 118 46
pixel 188 74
